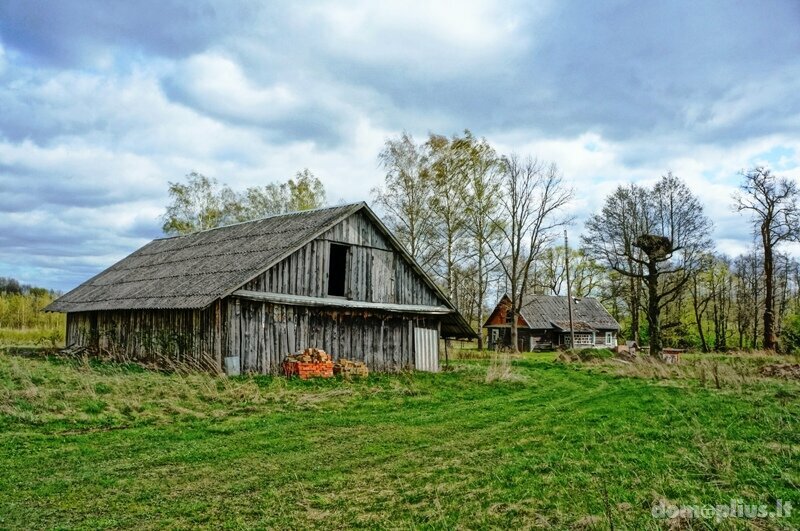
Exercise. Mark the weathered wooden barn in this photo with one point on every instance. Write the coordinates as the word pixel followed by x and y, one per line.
pixel 544 323
pixel 333 278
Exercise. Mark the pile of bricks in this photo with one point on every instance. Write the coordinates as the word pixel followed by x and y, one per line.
pixel 310 363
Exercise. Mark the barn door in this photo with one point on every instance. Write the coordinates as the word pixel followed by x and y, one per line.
pixel 426 349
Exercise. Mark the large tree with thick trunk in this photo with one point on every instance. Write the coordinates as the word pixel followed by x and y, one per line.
pixel 772 202
pixel 655 235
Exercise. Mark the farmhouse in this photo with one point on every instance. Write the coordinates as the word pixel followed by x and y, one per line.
pixel 333 278
pixel 544 323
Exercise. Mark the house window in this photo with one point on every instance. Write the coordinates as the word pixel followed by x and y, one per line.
pixel 337 270
pixel 609 338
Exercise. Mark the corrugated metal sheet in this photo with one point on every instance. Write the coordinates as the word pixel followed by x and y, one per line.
pixel 542 311
pixel 426 349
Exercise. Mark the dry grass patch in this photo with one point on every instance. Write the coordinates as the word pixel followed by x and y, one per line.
pixel 501 369
pixel 41 391
pixel 731 370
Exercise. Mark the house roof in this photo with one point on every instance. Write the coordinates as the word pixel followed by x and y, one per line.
pixel 194 270
pixel 543 312
pixel 578 326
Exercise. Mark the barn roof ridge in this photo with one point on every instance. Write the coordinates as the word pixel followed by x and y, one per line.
pixel 264 218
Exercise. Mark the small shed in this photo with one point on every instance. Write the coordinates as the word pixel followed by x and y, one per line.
pixel 544 323
pixel 332 278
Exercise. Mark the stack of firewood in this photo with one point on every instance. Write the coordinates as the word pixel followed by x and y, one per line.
pixel 349 368
pixel 310 355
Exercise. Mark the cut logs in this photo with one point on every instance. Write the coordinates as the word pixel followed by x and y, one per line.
pixel 350 369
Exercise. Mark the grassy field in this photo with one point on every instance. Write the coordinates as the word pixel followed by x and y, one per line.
pixel 528 443
pixel 32 337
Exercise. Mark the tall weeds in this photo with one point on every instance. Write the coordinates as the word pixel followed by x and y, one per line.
pixel 500 368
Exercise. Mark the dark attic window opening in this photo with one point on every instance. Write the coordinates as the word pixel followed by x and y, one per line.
pixel 337 270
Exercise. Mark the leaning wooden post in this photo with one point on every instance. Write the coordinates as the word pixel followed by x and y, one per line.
pixel 218 335
pixel 446 354
pixel 569 291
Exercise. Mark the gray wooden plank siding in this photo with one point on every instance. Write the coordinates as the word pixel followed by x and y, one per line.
pixel 183 336
pixel 375 272
pixel 262 334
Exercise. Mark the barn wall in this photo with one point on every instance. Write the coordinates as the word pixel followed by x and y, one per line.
pixel 185 336
pixel 262 334
pixel 376 273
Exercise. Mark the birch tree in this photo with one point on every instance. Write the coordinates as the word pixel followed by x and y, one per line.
pixel 406 196
pixel 449 159
pixel 480 196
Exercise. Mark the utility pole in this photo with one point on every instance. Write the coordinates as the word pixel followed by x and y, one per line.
pixel 569 291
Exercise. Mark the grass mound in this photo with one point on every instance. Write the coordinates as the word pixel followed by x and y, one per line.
pixel 585 355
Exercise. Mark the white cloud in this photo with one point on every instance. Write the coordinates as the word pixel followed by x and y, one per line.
pixel 434 38
pixel 87 149
pixel 218 84
pixel 594 166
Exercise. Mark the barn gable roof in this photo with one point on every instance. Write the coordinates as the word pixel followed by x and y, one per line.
pixel 193 270
pixel 543 312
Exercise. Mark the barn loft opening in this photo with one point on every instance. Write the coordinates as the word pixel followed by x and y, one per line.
pixel 337 270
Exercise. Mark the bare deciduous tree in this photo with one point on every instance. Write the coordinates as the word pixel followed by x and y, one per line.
pixel 773 203
pixel 533 195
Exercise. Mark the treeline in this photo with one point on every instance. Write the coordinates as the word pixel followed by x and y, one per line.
pixel 483 224
pixel 721 307
pixel 202 203
pixel 21 306
pixel 474 219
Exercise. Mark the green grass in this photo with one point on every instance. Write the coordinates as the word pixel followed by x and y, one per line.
pixel 94 445
pixel 30 337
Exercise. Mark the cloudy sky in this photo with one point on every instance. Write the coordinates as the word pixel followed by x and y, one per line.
pixel 103 102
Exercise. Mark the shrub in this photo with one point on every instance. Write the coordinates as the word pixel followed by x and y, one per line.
pixel 791 334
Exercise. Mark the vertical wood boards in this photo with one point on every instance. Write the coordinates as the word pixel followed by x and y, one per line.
pixel 261 334
pixel 383 341
pixel 376 272
pixel 185 336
